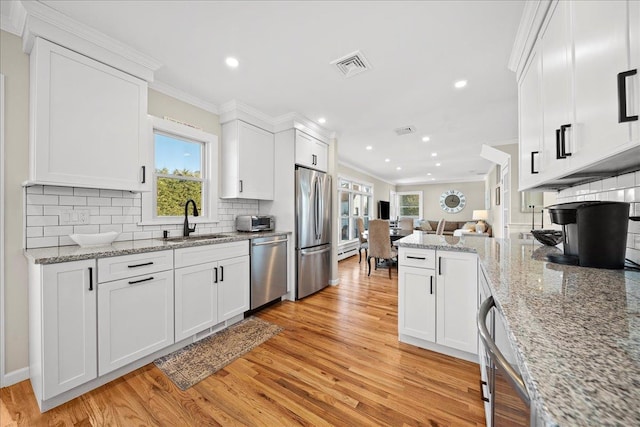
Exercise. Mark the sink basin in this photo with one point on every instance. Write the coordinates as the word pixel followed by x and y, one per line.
pixel 195 238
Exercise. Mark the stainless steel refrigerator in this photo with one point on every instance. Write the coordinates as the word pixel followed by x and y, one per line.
pixel 313 231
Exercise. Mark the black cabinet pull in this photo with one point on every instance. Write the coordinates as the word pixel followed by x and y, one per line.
pixel 483 383
pixel 622 96
pixel 140 265
pixel 133 282
pixel 241 186
pixel 144 174
pixel 533 153
pixel 90 278
pixel 221 273
pixel 558 150
pixel 439 266
pixel 563 142
pixel 415 257
pixel 431 277
pixel 216 279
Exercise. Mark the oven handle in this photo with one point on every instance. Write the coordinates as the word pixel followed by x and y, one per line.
pixel 514 378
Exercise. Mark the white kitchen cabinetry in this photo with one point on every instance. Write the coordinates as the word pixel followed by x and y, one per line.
pixel 437 300
pixel 247 168
pixel 88 122
pixel 530 103
pixel 311 152
pixel 135 314
pixel 62 327
pixel 211 286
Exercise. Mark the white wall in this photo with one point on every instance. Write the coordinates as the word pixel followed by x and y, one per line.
pixel 473 192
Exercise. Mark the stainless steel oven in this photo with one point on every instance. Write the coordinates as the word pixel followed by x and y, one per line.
pixel 506 394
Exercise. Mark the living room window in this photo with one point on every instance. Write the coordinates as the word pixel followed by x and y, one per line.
pixel 356 200
pixel 409 204
pixel 184 167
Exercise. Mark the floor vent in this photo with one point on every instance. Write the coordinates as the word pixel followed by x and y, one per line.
pixel 404 130
pixel 352 64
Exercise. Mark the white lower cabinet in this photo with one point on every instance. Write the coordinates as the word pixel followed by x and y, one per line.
pixel 437 301
pixel 213 290
pixel 62 326
pixel 135 318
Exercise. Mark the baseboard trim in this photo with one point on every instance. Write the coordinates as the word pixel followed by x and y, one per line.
pixel 334 282
pixel 15 377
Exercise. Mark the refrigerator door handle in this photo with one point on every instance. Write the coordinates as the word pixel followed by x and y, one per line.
pixel 314 251
pixel 320 216
pixel 316 207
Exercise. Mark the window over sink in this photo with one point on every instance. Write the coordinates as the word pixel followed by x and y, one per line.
pixel 185 166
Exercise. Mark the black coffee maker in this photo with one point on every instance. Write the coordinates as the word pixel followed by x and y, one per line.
pixel 595 233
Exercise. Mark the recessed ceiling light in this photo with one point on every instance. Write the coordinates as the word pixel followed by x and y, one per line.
pixel 399 168
pixel 460 84
pixel 434 154
pixel 232 62
pixel 425 139
pixel 433 179
pixel 368 147
pixel 428 173
pixel 322 120
pixel 437 164
pixel 387 160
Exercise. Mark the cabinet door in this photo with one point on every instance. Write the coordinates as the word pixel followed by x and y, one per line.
pixel 457 295
pixel 310 152
pixel 89 121
pixel 530 112
pixel 321 150
pixel 256 162
pixel 556 89
pixel 196 304
pixel 135 319
pixel 633 94
pixel 69 353
pixel 233 287
pixel 417 303
pixel 601 51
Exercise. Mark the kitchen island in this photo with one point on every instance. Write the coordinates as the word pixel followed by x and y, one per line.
pixel 575 331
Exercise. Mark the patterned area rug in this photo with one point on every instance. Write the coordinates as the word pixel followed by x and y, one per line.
pixel 195 362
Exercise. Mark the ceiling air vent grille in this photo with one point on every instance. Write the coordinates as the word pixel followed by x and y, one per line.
pixel 352 64
pixel 404 130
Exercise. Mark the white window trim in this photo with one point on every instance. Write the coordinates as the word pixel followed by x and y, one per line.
pixel 409 193
pixel 210 185
pixel 352 180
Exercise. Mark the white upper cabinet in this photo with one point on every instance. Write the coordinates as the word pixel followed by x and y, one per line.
pixel 247 169
pixel 311 152
pixel 589 90
pixel 88 122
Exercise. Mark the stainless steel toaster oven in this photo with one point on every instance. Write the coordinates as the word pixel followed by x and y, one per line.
pixel 255 223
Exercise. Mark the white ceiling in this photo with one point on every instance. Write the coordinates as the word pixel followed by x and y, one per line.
pixel 417 51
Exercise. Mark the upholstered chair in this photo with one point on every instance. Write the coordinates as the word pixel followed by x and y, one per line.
pixel 364 244
pixel 405 224
pixel 380 243
pixel 440 228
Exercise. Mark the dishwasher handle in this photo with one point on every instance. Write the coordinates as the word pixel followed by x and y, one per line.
pixel 269 242
pixel 514 378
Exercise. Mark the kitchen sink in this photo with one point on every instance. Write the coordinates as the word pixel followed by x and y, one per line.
pixel 195 238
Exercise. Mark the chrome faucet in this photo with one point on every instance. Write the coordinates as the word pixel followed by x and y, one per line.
pixel 186 229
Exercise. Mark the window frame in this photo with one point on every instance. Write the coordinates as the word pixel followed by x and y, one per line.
pixel 209 172
pixel 398 196
pixel 350 217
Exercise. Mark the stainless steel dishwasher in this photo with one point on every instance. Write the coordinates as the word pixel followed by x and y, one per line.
pixel 268 269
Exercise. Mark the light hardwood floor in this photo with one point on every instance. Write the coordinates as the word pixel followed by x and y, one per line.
pixel 338 362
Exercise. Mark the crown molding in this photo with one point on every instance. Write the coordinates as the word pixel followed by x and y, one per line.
pixel 357 169
pixel 443 182
pixel 303 124
pixel 14 22
pixel 181 95
pixel 532 17
pixel 46 22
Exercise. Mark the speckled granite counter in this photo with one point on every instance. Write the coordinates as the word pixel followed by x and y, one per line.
pixel 575 331
pixel 56 255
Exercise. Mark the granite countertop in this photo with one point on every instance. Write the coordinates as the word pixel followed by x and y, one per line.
pixel 54 255
pixel 575 331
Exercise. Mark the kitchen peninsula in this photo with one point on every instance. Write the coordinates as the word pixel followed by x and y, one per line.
pixel 575 331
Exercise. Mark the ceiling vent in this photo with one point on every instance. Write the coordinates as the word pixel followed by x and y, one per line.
pixel 404 130
pixel 352 64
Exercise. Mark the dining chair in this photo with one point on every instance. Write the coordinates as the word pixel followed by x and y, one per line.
pixel 380 243
pixel 405 224
pixel 440 228
pixel 364 244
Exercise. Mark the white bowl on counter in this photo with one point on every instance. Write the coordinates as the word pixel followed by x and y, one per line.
pixel 97 239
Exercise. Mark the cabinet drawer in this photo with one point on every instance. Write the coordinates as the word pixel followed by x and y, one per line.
pixel 421 258
pixel 210 253
pixel 133 265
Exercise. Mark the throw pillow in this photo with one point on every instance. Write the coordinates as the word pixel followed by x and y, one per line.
pixel 469 226
pixel 425 226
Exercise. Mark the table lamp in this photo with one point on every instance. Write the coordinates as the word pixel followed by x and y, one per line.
pixel 480 216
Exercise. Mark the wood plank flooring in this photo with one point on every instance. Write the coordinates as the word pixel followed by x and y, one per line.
pixel 338 362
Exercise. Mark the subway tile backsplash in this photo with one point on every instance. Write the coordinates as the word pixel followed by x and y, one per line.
pixel 108 210
pixel 621 188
